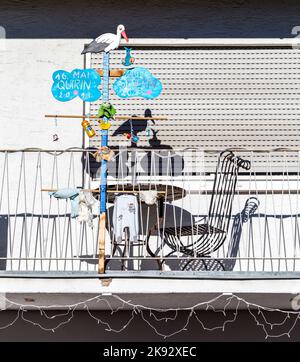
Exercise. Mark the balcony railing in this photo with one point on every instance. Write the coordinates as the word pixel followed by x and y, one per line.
pixel 259 232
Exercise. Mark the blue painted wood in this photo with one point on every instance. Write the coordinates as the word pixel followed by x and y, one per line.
pixel 104 135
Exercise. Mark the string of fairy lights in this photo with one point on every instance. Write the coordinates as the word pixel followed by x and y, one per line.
pixel 230 304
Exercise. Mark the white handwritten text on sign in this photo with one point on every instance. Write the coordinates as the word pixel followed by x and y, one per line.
pixel 83 83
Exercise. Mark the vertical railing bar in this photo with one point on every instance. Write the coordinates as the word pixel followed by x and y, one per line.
pixel 58 185
pixel 153 178
pixel 252 243
pixel 240 224
pixel 285 178
pixel 162 229
pixel 71 244
pixel 193 235
pixel 37 238
pixel 291 210
pixel 9 226
pixel 25 213
pixel 73 221
pixel 296 214
pixel 21 245
pixel 3 179
pixel 42 230
pixel 250 225
pixel 51 242
pixel 281 231
pixel 274 209
pixel 249 231
pixel 34 199
pixel 86 247
pixel 17 201
pixel 132 247
pixel 45 243
pixel 142 235
pixel 81 232
pixel 267 233
pixel 67 241
pixel 262 242
pixel 62 241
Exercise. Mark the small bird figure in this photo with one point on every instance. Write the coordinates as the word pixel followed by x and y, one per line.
pixel 106 42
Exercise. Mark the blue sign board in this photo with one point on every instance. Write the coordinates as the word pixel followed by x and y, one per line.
pixel 83 83
pixel 137 82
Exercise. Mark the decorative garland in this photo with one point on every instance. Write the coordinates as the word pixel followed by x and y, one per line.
pixel 149 315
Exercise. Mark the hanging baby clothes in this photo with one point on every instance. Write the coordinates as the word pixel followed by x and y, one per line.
pixel 149 197
pixel 68 193
pixel 125 214
pixel 86 204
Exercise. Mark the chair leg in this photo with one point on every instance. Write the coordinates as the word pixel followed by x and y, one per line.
pixel 125 253
pixel 150 252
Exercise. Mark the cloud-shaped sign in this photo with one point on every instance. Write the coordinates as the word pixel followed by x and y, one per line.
pixel 138 82
pixel 83 83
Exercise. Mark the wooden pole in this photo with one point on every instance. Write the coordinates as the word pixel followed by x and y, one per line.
pixel 103 172
pixel 157 118
pixel 112 72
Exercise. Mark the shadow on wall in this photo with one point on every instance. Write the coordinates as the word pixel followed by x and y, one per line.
pixel 140 126
pixel 3 240
pixel 165 161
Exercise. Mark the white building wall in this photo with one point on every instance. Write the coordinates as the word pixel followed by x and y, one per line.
pixel 26 67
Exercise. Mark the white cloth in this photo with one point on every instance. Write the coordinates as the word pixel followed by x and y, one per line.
pixel 149 196
pixel 85 207
pixel 125 214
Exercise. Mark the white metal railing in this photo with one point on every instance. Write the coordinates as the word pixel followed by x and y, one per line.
pixel 39 234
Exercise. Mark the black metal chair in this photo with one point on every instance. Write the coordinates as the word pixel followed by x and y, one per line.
pixel 203 239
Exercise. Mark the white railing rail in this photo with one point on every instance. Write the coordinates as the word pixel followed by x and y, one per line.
pixel 38 232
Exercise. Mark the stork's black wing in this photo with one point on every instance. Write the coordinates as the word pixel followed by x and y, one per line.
pixel 94 47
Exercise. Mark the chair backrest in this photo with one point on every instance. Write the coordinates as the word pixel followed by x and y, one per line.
pixel 224 189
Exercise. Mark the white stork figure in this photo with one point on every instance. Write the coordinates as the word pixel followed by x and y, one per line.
pixel 106 42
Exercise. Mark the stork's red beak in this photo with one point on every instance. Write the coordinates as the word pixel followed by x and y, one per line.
pixel 124 35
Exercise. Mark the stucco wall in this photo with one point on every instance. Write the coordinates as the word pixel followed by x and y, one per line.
pixel 26 78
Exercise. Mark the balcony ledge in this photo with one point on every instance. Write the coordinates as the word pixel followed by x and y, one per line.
pixel 157 290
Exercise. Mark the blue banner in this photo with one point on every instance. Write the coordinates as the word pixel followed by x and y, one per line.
pixel 83 83
pixel 137 82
